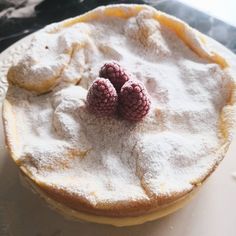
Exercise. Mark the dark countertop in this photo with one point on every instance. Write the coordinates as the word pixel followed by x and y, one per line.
pixel 19 18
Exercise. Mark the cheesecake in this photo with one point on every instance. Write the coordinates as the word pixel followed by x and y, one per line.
pixel 109 169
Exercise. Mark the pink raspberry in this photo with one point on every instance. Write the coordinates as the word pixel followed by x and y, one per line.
pixel 115 73
pixel 134 101
pixel 102 98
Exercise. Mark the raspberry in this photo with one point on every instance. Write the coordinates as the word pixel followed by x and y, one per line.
pixel 115 73
pixel 134 101
pixel 102 98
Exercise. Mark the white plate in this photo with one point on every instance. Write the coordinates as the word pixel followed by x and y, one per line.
pixel 211 213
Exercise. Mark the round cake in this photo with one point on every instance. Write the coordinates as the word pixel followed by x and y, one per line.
pixel 110 169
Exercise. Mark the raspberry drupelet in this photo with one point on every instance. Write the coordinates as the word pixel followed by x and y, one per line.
pixel 115 73
pixel 134 101
pixel 102 97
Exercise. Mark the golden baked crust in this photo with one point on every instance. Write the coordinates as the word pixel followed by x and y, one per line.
pixel 127 208
pixel 70 213
pixel 45 86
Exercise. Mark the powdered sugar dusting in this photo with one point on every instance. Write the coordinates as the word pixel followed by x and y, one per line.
pixel 110 159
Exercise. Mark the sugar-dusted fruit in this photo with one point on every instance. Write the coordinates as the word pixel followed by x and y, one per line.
pixel 134 101
pixel 102 97
pixel 115 73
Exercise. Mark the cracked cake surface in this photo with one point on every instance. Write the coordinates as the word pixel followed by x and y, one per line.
pixel 106 165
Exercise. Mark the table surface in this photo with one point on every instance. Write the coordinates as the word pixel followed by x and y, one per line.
pixel 223 9
pixel 211 213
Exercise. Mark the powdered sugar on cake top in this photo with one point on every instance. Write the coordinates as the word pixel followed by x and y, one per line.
pixel 110 159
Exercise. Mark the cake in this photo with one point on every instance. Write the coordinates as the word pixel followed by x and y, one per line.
pixel 107 169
